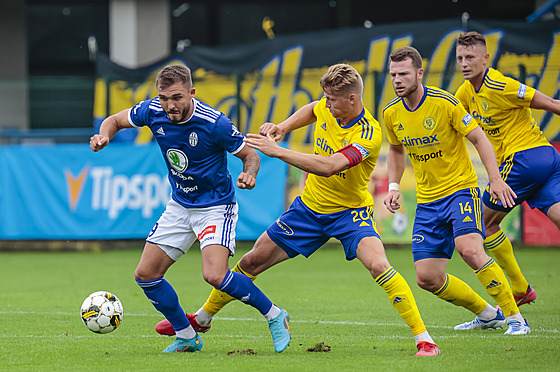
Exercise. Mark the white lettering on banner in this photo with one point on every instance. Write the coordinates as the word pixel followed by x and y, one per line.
pixel 117 192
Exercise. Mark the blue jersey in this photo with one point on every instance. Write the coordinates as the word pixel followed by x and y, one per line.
pixel 195 151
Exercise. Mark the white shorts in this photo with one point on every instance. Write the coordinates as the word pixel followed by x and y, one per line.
pixel 179 227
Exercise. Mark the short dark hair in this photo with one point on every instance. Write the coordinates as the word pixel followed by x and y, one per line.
pixel 342 79
pixel 471 38
pixel 405 52
pixel 173 74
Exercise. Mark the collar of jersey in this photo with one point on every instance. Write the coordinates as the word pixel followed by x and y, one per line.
pixel 484 77
pixel 353 121
pixel 421 101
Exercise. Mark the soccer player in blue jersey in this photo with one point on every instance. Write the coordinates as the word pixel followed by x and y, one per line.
pixel 529 164
pixel 194 139
pixel 430 125
pixel 335 201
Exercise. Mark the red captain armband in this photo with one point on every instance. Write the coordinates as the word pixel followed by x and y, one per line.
pixel 355 153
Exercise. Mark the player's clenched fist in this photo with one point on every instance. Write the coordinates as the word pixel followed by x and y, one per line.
pixel 97 142
pixel 246 181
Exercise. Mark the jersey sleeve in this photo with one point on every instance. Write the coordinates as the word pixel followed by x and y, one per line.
pixel 461 120
pixel 139 114
pixel 517 94
pixel 462 97
pixel 227 136
pixel 355 153
pixel 391 137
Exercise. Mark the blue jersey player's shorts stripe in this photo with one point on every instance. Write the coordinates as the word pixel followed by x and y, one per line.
pixel 300 230
pixel 534 176
pixel 438 223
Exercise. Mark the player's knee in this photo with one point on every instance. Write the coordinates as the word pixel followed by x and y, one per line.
pixel 214 278
pixel 428 284
pixel 141 274
pixel 474 256
pixel 377 267
pixel 146 272
pixel 251 263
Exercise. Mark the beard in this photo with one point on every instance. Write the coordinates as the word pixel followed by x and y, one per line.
pixel 178 116
pixel 408 91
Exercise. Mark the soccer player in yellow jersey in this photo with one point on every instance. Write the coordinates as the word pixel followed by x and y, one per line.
pixel 335 200
pixel 430 125
pixel 529 164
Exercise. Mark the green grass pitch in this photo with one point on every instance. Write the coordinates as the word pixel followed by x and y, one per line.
pixel 329 300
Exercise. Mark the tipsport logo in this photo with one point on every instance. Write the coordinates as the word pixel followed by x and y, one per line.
pixel 114 193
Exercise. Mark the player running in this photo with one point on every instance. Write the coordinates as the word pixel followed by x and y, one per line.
pixel 529 164
pixel 430 124
pixel 194 139
pixel 335 200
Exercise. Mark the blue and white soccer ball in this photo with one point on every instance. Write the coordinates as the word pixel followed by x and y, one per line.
pixel 102 312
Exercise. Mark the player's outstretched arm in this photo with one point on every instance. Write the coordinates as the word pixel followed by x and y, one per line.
pixel 109 127
pixel 396 161
pixel 320 165
pixel 302 117
pixel 499 190
pixel 251 165
pixel 543 102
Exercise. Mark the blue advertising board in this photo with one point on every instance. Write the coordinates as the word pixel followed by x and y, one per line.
pixel 69 192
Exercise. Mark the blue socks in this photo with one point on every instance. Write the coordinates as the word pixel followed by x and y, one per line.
pixel 164 298
pixel 242 288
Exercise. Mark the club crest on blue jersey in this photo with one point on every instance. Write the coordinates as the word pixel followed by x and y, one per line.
pixel 193 139
pixel 177 159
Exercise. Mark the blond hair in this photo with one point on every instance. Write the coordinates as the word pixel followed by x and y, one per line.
pixel 342 79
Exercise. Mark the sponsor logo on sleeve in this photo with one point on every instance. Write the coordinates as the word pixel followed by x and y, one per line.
pixel 467 119
pixel 522 90
pixel 361 149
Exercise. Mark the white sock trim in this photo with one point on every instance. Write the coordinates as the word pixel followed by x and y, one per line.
pixel 186 333
pixel 272 313
pixel 488 313
pixel 424 336
pixel 203 318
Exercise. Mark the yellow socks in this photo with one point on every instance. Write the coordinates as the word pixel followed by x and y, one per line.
pixel 218 299
pixel 457 292
pixel 494 280
pixel 499 245
pixel 401 298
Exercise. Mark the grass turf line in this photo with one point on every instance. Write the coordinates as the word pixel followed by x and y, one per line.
pixel 329 300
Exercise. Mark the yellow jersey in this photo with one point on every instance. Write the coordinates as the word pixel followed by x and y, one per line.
pixel 346 189
pixel 433 136
pixel 501 109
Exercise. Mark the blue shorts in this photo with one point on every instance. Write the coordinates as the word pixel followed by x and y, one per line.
pixel 438 223
pixel 300 230
pixel 534 175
